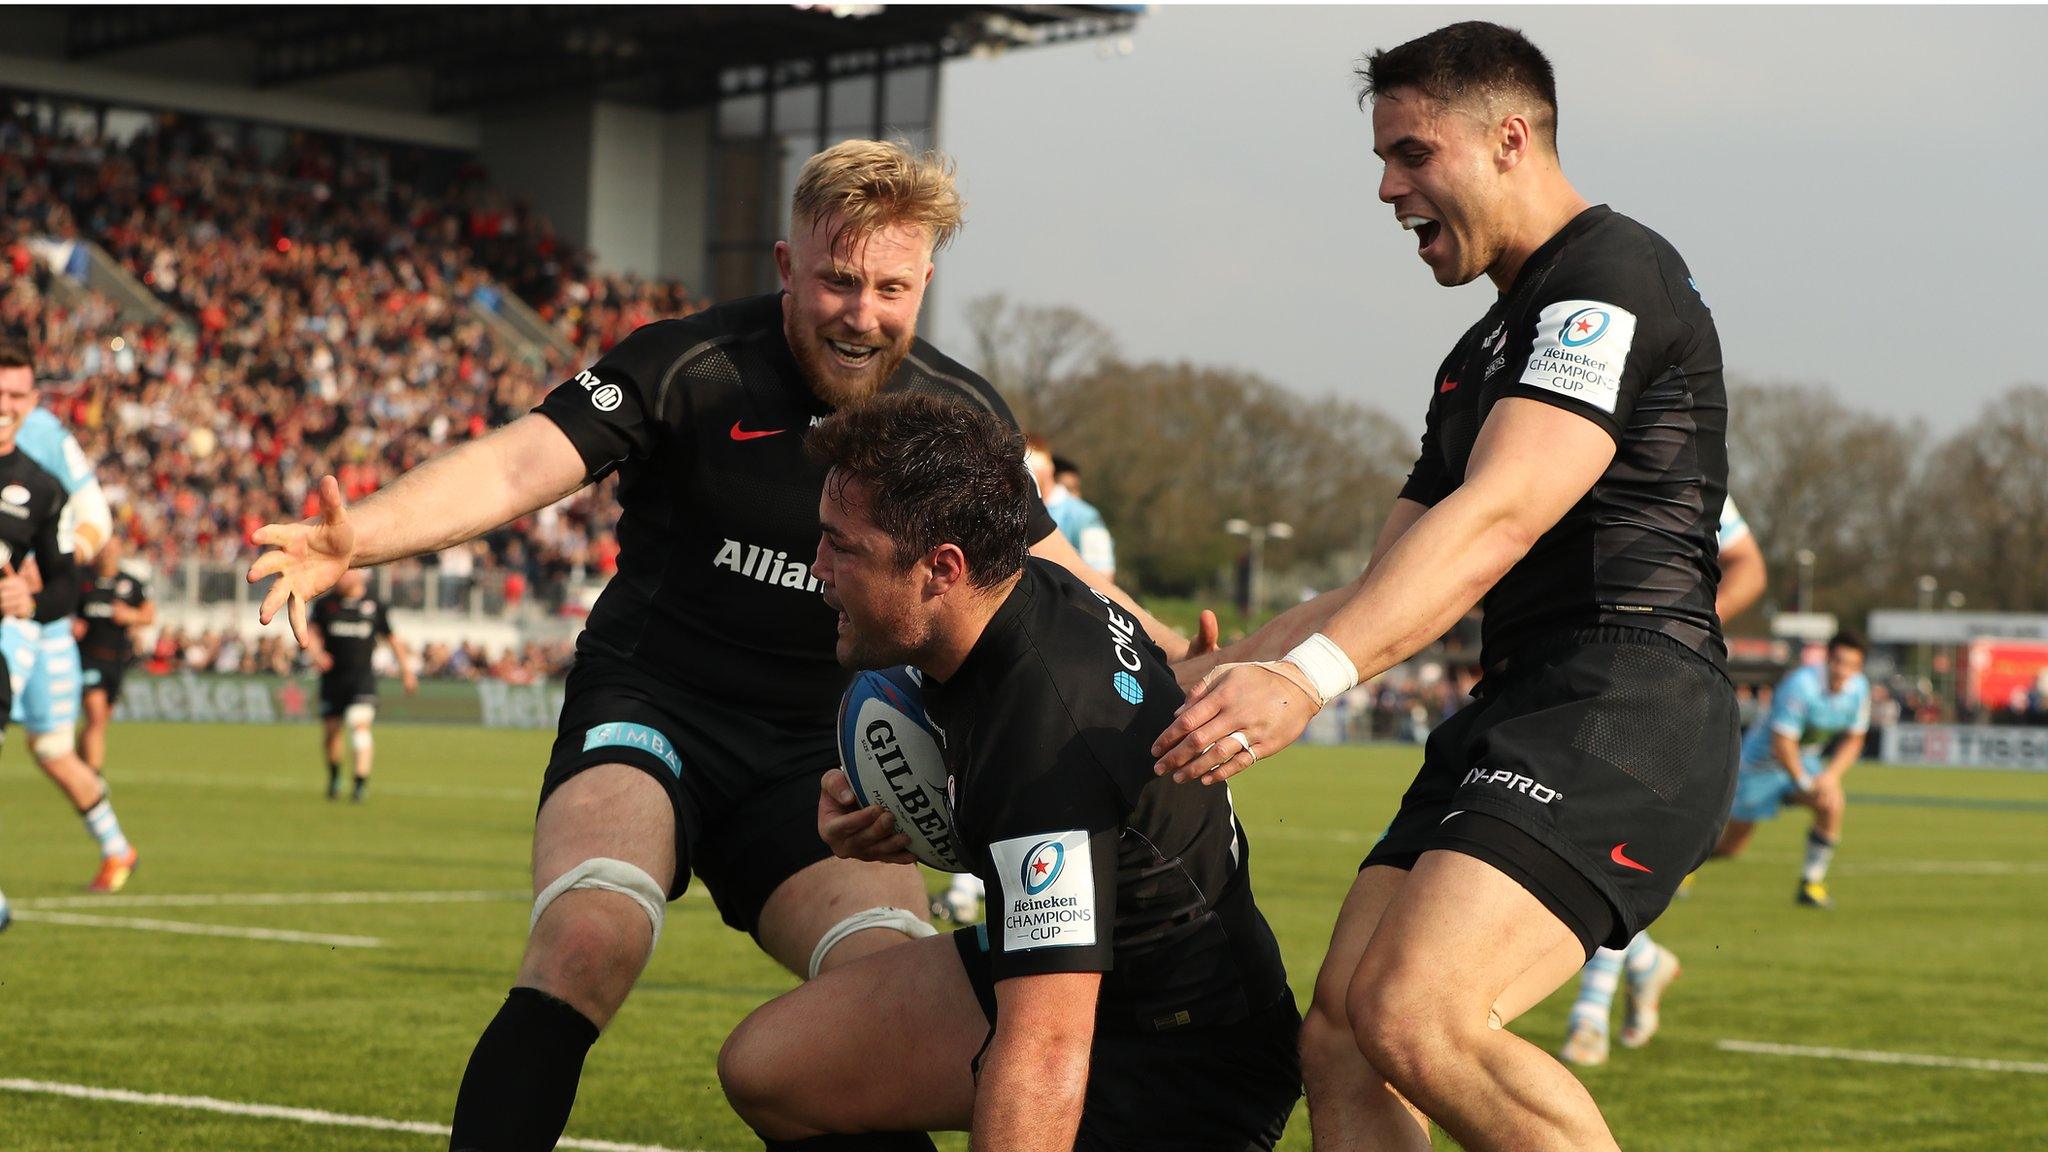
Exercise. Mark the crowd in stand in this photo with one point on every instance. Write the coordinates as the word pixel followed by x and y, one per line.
pixel 323 320
pixel 176 649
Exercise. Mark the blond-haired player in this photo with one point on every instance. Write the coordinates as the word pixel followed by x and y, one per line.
pixel 699 715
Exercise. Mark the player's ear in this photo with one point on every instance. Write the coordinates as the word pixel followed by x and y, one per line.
pixel 1513 139
pixel 782 262
pixel 949 568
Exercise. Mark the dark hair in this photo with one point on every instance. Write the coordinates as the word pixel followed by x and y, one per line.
pixel 1464 62
pixel 15 354
pixel 1849 638
pixel 1062 465
pixel 936 472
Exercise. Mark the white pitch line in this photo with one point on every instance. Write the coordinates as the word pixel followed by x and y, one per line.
pixel 273 899
pixel 278 1112
pixel 397 788
pixel 1925 867
pixel 185 928
pixel 1868 1057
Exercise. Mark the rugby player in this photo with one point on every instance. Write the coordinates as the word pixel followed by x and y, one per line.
pixel 699 714
pixel 1799 753
pixel 46 515
pixel 343 630
pixel 1571 475
pixel 1649 966
pixel 114 605
pixel 1125 992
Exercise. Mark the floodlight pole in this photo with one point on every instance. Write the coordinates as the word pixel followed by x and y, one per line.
pixel 1256 534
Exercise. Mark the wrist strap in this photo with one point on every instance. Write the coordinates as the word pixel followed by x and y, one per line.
pixel 1330 672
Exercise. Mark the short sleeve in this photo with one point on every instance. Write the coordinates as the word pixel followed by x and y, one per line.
pixel 1602 332
pixel 1052 823
pixel 608 410
pixel 1861 724
pixel 1734 529
pixel 1428 482
pixel 1791 706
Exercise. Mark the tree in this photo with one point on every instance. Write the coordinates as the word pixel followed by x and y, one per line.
pixel 1984 504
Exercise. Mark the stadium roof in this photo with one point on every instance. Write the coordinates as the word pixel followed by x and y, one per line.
pixel 664 56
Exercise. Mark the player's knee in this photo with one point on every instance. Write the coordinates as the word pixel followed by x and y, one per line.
pixel 900 920
pixel 1403 1029
pixel 1327 1043
pixel 756 1081
pixel 54 744
pixel 595 942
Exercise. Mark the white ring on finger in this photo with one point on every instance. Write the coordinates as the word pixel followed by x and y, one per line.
pixel 1245 742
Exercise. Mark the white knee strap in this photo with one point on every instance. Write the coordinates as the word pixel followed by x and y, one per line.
pixel 50 745
pixel 892 918
pixel 359 716
pixel 608 876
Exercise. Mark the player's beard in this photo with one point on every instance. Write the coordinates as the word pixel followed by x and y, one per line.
pixel 834 384
pixel 884 644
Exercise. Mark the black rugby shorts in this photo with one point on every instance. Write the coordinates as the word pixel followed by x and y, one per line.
pixel 744 791
pixel 1608 755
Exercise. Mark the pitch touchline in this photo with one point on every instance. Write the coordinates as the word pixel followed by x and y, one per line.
pixel 272 899
pixel 1867 1057
pixel 186 928
pixel 278 1112
pixel 425 791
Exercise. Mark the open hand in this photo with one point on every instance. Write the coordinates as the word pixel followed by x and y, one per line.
pixel 307 559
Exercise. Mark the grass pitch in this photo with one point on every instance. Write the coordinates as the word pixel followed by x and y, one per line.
pixel 1936 949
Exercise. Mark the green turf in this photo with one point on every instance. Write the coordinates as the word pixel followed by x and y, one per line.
pixel 1936 948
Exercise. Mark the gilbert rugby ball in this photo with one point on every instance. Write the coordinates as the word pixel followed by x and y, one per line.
pixel 892 757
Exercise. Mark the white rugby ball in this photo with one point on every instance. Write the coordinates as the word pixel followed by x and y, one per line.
pixel 892 756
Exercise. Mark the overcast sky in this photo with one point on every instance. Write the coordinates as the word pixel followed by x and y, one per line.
pixel 1858 191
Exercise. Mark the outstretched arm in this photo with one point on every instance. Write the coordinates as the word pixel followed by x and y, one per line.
pixel 458 496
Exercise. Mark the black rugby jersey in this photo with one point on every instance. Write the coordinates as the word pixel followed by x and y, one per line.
pixel 350 629
pixel 1603 320
pixel 704 418
pixel 105 641
pixel 31 517
pixel 1093 864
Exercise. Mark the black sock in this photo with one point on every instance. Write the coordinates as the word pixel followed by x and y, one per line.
pixel 522 1077
pixel 362 782
pixel 865 1142
pixel 333 773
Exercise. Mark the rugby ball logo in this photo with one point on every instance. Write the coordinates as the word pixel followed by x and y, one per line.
pixel 892 756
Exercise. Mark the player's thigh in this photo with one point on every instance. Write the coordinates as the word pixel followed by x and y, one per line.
pixel 609 811
pixel 97 709
pixel 808 904
pixel 1735 837
pixel 886 1043
pixel 1455 938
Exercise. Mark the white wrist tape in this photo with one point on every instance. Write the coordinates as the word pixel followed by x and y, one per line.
pixel 1330 672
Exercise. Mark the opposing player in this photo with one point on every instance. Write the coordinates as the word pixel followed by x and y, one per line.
pixel 1572 472
pixel 1127 992
pixel 699 715
pixel 342 636
pixel 1799 755
pixel 114 605
pixel 45 518
pixel 1647 966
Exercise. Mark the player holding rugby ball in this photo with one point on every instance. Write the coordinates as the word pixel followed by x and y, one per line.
pixel 1123 963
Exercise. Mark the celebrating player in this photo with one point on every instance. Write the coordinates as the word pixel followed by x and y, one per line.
pixel 114 605
pixel 344 629
pixel 1125 987
pixel 44 515
pixel 1649 967
pixel 1572 471
pixel 699 715
pixel 1799 754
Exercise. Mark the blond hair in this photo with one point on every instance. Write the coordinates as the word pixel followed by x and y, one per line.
pixel 873 184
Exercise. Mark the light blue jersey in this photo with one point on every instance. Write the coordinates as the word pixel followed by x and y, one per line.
pixel 42 659
pixel 1083 527
pixel 1804 709
pixel 52 446
pixel 1733 527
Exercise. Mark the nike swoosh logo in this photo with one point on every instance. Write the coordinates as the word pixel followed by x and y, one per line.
pixel 1446 386
pixel 739 433
pixel 1622 860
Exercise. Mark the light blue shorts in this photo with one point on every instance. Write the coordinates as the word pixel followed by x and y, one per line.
pixel 1762 790
pixel 42 663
